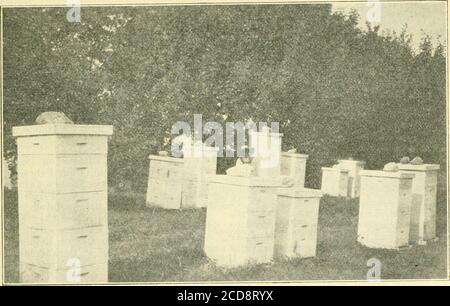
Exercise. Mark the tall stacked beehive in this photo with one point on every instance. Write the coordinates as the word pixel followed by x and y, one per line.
pixel 266 147
pixel 423 209
pixel 199 162
pixel 62 189
pixel 385 209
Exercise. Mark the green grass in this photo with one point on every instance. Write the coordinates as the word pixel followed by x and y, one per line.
pixel 156 245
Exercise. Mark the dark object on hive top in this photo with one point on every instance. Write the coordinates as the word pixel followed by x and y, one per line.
pixel 53 118
pixel 404 160
pixel 417 161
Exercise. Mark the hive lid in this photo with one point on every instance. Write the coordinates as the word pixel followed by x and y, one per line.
pixel 423 167
pixel 300 192
pixel 380 173
pixel 294 155
pixel 166 158
pixel 62 129
pixel 249 181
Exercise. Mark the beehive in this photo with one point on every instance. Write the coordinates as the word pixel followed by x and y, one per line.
pixel 198 164
pixel 165 182
pixel 297 216
pixel 240 219
pixel 62 189
pixel 294 165
pixel 423 209
pixel 334 181
pixel 266 153
pixel 354 180
pixel 385 209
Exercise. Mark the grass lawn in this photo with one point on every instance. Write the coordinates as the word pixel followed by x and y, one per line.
pixel 156 245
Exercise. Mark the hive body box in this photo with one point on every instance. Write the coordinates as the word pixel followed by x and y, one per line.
pixel 354 180
pixel 165 182
pixel 385 209
pixel 294 165
pixel 200 163
pixel 267 153
pixel 240 220
pixel 176 183
pixel 297 216
pixel 423 209
pixel 62 189
pixel 334 181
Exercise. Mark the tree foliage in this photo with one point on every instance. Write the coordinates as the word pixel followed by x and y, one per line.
pixel 336 90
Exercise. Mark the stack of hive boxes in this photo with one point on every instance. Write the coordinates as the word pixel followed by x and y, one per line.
pixel 62 188
pixel 198 164
pixel 423 209
pixel 385 209
pixel 266 147
pixel 296 226
pixel 342 179
pixel 165 182
pixel 252 218
pixel 354 179
pixel 294 166
pixel 176 183
pixel 335 181
pixel 297 212
pixel 240 220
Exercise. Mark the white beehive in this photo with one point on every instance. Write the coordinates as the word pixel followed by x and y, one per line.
pixel 297 216
pixel 334 181
pixel 199 162
pixel 240 219
pixel 354 180
pixel 165 182
pixel 62 189
pixel 266 154
pixel 423 209
pixel 294 165
pixel 385 209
